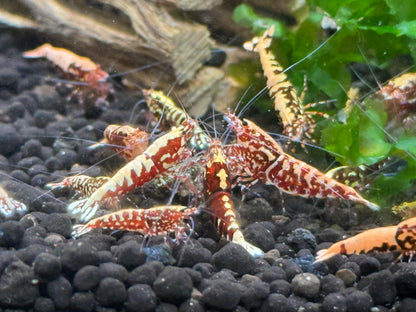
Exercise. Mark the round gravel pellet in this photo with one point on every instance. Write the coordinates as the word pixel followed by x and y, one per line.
pixel 306 285
pixel 77 254
pixel 60 291
pixel 130 255
pixel 173 285
pixel 405 280
pixel 235 258
pixel 221 294
pixel 87 278
pixel 82 302
pixel 44 304
pixel 111 292
pixel 113 270
pixel 334 302
pixel 359 301
pixel 140 298
pixel 58 223
pixel 47 266
pixel 382 287
pixel 18 286
pixel 11 233
pixel 276 303
pixel 144 274
pixel 280 287
pixel 331 284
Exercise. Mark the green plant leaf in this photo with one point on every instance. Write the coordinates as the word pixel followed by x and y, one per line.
pixel 246 16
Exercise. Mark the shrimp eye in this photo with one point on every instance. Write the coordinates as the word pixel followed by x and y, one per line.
pixel 245 123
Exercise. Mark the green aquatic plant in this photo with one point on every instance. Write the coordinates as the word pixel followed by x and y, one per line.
pixel 322 46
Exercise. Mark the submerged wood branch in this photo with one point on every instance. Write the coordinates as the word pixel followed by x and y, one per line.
pixel 124 34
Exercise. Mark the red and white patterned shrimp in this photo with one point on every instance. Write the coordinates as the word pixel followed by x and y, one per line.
pixel 83 184
pixel 164 153
pixel 401 237
pixel 159 220
pixel 265 160
pixel 219 200
pixel 10 207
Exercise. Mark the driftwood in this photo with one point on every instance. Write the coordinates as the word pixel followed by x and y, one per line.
pixel 123 35
pixel 153 39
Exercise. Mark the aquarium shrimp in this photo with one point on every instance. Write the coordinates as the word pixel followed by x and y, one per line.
pixel 82 184
pixel 259 156
pixel 401 237
pixel 287 104
pixel 10 207
pixel 90 75
pixel 162 154
pixel 127 141
pixel 159 220
pixel 219 200
pixel 163 107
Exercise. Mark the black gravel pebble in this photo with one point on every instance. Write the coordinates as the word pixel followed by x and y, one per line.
pixel 144 274
pixel 47 266
pixel 334 302
pixel 67 157
pixel 235 258
pixel 140 298
pixel 193 253
pixel 280 287
pixel 36 169
pixel 29 253
pixel 306 285
pixel 111 292
pixel 221 294
pixel 166 307
pixel 347 276
pixel 301 239
pixel 405 280
pixel 259 236
pixel 130 255
pixel 255 292
pixel 331 284
pixel 359 301
pixel 7 257
pixel 31 148
pixel 113 270
pixel 77 254
pixel 11 233
pixel 87 278
pixel 290 268
pixel 367 264
pixel 82 302
pixel 43 117
pixel 173 285
pixel 9 140
pixel 44 304
pixel 18 286
pixel 273 273
pixel 206 269
pixel 191 305
pixel 58 223
pixel 276 303
pixel 407 305
pixel 382 287
pixel 60 291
